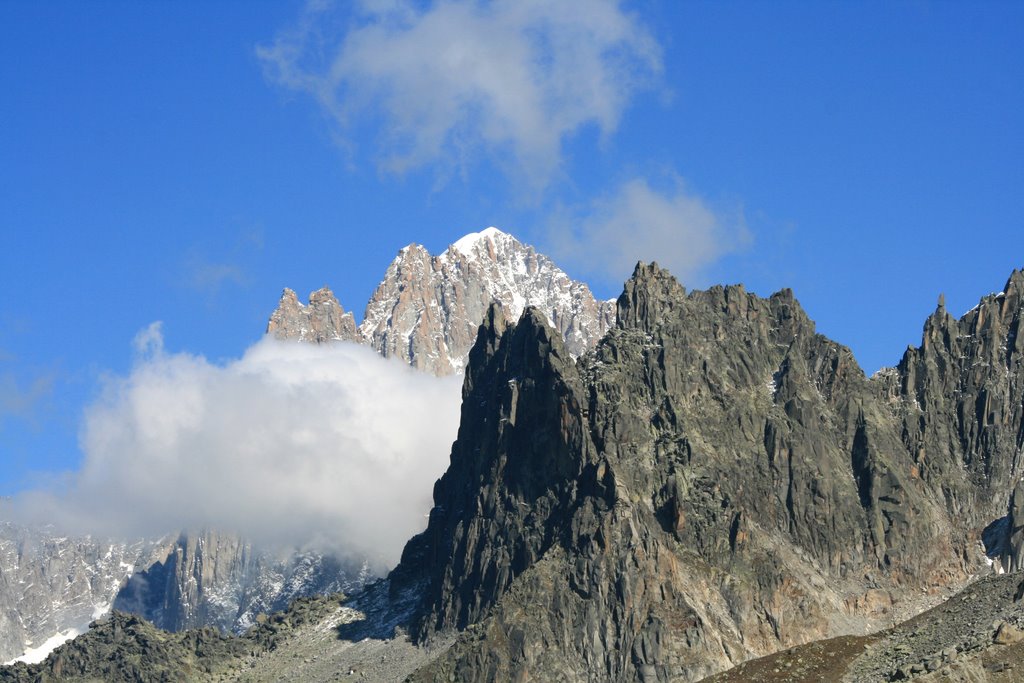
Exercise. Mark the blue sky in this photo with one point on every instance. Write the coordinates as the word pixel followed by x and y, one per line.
pixel 182 162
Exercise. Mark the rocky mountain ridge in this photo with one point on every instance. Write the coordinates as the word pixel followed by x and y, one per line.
pixel 426 309
pixel 434 303
pixel 714 482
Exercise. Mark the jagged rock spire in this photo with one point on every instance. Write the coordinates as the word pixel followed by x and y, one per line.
pixel 321 321
pixel 427 308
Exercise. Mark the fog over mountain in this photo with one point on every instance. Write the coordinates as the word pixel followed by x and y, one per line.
pixel 329 446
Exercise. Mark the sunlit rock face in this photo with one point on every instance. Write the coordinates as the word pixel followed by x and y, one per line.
pixel 216 579
pixel 321 321
pixel 427 308
pixel 52 585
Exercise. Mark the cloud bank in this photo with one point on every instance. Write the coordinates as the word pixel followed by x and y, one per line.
pixel 293 444
pixel 637 222
pixel 451 80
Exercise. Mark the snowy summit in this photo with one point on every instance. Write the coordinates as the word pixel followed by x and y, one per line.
pixel 466 243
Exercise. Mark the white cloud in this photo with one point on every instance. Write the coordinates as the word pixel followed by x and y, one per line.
pixel 457 79
pixel 296 444
pixel 676 228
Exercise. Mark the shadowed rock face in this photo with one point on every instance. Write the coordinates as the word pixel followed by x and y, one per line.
pixel 715 481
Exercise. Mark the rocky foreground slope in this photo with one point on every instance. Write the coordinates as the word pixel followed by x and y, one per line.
pixel 977 637
pixel 714 482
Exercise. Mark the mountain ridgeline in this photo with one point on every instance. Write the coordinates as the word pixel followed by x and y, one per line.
pixel 709 482
pixel 715 481
pixel 426 309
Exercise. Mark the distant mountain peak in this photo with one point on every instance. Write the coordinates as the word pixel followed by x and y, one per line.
pixel 427 308
pixel 466 244
pixel 322 320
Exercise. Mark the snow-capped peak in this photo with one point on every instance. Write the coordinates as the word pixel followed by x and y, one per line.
pixel 466 244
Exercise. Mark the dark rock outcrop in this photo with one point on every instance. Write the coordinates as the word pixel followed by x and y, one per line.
pixel 716 481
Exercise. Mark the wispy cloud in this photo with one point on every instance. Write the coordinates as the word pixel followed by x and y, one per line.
pixel 638 222
pixel 293 443
pixel 209 277
pixel 454 80
pixel 21 399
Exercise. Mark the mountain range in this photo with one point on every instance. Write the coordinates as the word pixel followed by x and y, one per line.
pixel 425 311
pixel 711 483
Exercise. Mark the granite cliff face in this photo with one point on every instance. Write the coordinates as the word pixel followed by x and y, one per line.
pixel 221 580
pixel 427 308
pixel 961 411
pixel 321 321
pixel 715 481
pixel 52 586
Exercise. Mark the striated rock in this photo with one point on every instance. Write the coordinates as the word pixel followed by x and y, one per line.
pixel 321 321
pixel 715 481
pixel 959 402
pixel 53 585
pixel 221 580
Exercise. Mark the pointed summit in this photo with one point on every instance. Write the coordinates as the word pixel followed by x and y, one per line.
pixel 321 321
pixel 466 244
pixel 428 308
